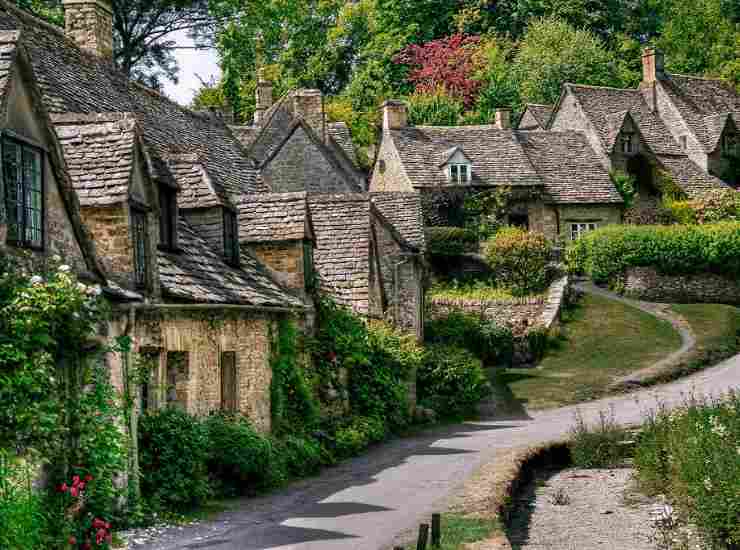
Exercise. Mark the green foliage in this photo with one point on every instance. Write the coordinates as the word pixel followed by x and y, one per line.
pixel 673 250
pixel 22 509
pixel 239 457
pixel 434 109
pixel 479 289
pixel 692 454
pixel 294 406
pixel 598 446
pixel 451 381
pixel 519 258
pixel 357 435
pixel 625 184
pixel 485 211
pixel 450 241
pixel 173 455
pixel 498 85
pixel 297 457
pixel 717 206
pixel 491 343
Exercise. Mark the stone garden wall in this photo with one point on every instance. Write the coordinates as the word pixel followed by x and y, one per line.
pixel 646 283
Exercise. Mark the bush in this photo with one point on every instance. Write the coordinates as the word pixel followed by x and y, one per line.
pixel 625 184
pixel 599 446
pixel 693 455
pixel 718 205
pixel 451 381
pixel 491 343
pixel 173 454
pixel 519 258
pixel 22 509
pixel 451 241
pixel 299 457
pixel 352 439
pixel 240 458
pixel 673 250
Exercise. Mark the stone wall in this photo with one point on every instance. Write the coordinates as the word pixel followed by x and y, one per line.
pixel 519 314
pixel 388 173
pixel 285 260
pixel 90 25
pixel 201 337
pixel 647 284
pixel 110 229
pixel 600 214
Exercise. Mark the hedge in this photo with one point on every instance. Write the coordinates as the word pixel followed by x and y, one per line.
pixel 451 241
pixel 671 250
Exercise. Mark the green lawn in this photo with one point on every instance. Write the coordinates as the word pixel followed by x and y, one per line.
pixel 717 330
pixel 457 530
pixel 602 340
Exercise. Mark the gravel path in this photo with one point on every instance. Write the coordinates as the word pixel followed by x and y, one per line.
pixel 580 509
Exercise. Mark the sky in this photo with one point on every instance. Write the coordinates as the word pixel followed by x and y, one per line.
pixel 193 63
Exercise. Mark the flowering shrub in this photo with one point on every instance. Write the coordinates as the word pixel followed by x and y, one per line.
pixel 84 530
pixel 519 258
pixel 693 455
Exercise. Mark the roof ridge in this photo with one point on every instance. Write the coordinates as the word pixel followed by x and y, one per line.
pixel 712 78
pixel 465 126
pixel 593 87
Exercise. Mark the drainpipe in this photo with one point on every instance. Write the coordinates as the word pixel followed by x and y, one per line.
pixel 133 428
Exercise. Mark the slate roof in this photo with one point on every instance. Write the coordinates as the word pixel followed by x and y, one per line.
pixel 274 217
pixel 606 108
pixel 339 132
pixel 196 187
pixel 497 155
pixel 198 274
pixel 700 101
pixel 541 113
pixel 245 134
pixel 404 211
pixel 100 151
pixel 571 171
pixel 73 81
pixel 690 177
pixel 8 41
pixel 341 224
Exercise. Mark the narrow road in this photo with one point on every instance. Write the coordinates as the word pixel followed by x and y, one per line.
pixel 364 503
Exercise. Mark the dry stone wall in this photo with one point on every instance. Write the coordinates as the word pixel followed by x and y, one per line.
pixel 647 284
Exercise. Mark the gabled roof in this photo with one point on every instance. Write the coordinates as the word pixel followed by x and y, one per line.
pixel 716 125
pixel 692 179
pixel 404 211
pixel 446 156
pixel 274 217
pixel 698 100
pixel 197 188
pixel 541 113
pixel 342 137
pixel 606 107
pixel 496 155
pixel 74 81
pixel 569 167
pixel 100 150
pixel 198 274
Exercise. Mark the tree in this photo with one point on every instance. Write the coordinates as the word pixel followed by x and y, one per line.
pixel 498 85
pixel 553 52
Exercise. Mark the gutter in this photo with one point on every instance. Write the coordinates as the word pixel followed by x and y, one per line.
pixel 227 307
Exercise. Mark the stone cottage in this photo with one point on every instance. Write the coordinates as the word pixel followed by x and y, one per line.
pixel 557 182
pixel 674 127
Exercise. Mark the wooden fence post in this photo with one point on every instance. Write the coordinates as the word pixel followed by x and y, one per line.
pixel 436 530
pixel 423 537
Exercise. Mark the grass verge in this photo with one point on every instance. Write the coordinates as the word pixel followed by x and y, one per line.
pixel 603 340
pixel 459 529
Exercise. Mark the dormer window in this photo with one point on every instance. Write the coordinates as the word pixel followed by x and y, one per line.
pixel 231 238
pixel 729 143
pixel 459 173
pixel 628 143
pixel 168 218
pixel 24 193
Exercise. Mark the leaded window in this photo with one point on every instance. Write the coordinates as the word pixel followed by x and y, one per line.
pixel 628 141
pixel 459 173
pixel 168 217
pixel 231 238
pixel 24 193
pixel 139 238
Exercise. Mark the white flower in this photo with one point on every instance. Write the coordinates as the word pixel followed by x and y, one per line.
pixel 708 484
pixel 37 280
pixel 64 268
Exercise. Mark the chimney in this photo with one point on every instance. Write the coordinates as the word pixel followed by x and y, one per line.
pixel 652 66
pixel 90 24
pixel 309 105
pixel 503 119
pixel 394 115
pixel 263 97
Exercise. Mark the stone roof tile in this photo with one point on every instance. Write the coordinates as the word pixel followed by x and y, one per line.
pixel 689 176
pixel 274 217
pixel 404 211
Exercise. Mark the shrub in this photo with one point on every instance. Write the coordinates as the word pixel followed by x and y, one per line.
pixel 451 381
pixel 352 439
pixel 520 259
pixel 173 455
pixel 435 108
pixel 239 457
pixel 22 509
pixel 451 241
pixel 491 343
pixel 693 455
pixel 599 446
pixel 625 185
pixel 299 456
pixel 672 250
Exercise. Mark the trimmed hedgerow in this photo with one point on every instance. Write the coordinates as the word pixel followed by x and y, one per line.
pixel 672 250
pixel 491 343
pixel 451 241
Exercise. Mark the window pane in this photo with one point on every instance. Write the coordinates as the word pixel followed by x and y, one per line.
pixel 139 237
pixel 33 208
pixel 463 173
pixel 453 171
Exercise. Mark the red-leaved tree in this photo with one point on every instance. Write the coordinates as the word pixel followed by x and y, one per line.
pixel 447 63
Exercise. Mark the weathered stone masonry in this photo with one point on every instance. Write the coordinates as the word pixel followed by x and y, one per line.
pixel 647 284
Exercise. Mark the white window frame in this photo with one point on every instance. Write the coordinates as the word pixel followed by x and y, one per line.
pixel 459 172
pixel 578 229
pixel 628 143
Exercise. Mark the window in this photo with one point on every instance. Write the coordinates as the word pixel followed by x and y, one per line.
pixel 729 143
pixel 231 238
pixel 24 193
pixel 308 274
pixel 228 381
pixel 579 229
pixel 150 360
pixel 178 376
pixel 628 143
pixel 684 143
pixel 459 173
pixel 168 217
pixel 139 238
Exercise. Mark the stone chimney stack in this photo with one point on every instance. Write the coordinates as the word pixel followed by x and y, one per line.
pixel 309 105
pixel 90 24
pixel 263 97
pixel 503 119
pixel 395 116
pixel 653 68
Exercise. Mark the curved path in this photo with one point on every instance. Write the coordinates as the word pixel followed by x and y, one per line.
pixel 365 502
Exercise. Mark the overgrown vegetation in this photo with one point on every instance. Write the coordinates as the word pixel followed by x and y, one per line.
pixel 519 259
pixel 718 205
pixel 603 445
pixel 489 342
pixel 680 249
pixel 471 290
pixel 451 241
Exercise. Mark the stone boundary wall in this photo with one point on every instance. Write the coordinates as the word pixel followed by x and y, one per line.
pixel 520 314
pixel 645 283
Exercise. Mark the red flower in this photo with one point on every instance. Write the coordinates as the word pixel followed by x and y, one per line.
pixel 81 486
pixel 72 541
pixel 74 492
pixel 63 488
pixel 100 536
pixel 88 478
pixel 87 546
pixel 75 481
pixel 107 525
pixel 98 523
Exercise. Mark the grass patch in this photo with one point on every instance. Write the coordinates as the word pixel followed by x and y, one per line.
pixel 472 291
pixel 458 529
pixel 602 340
pixel 717 330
